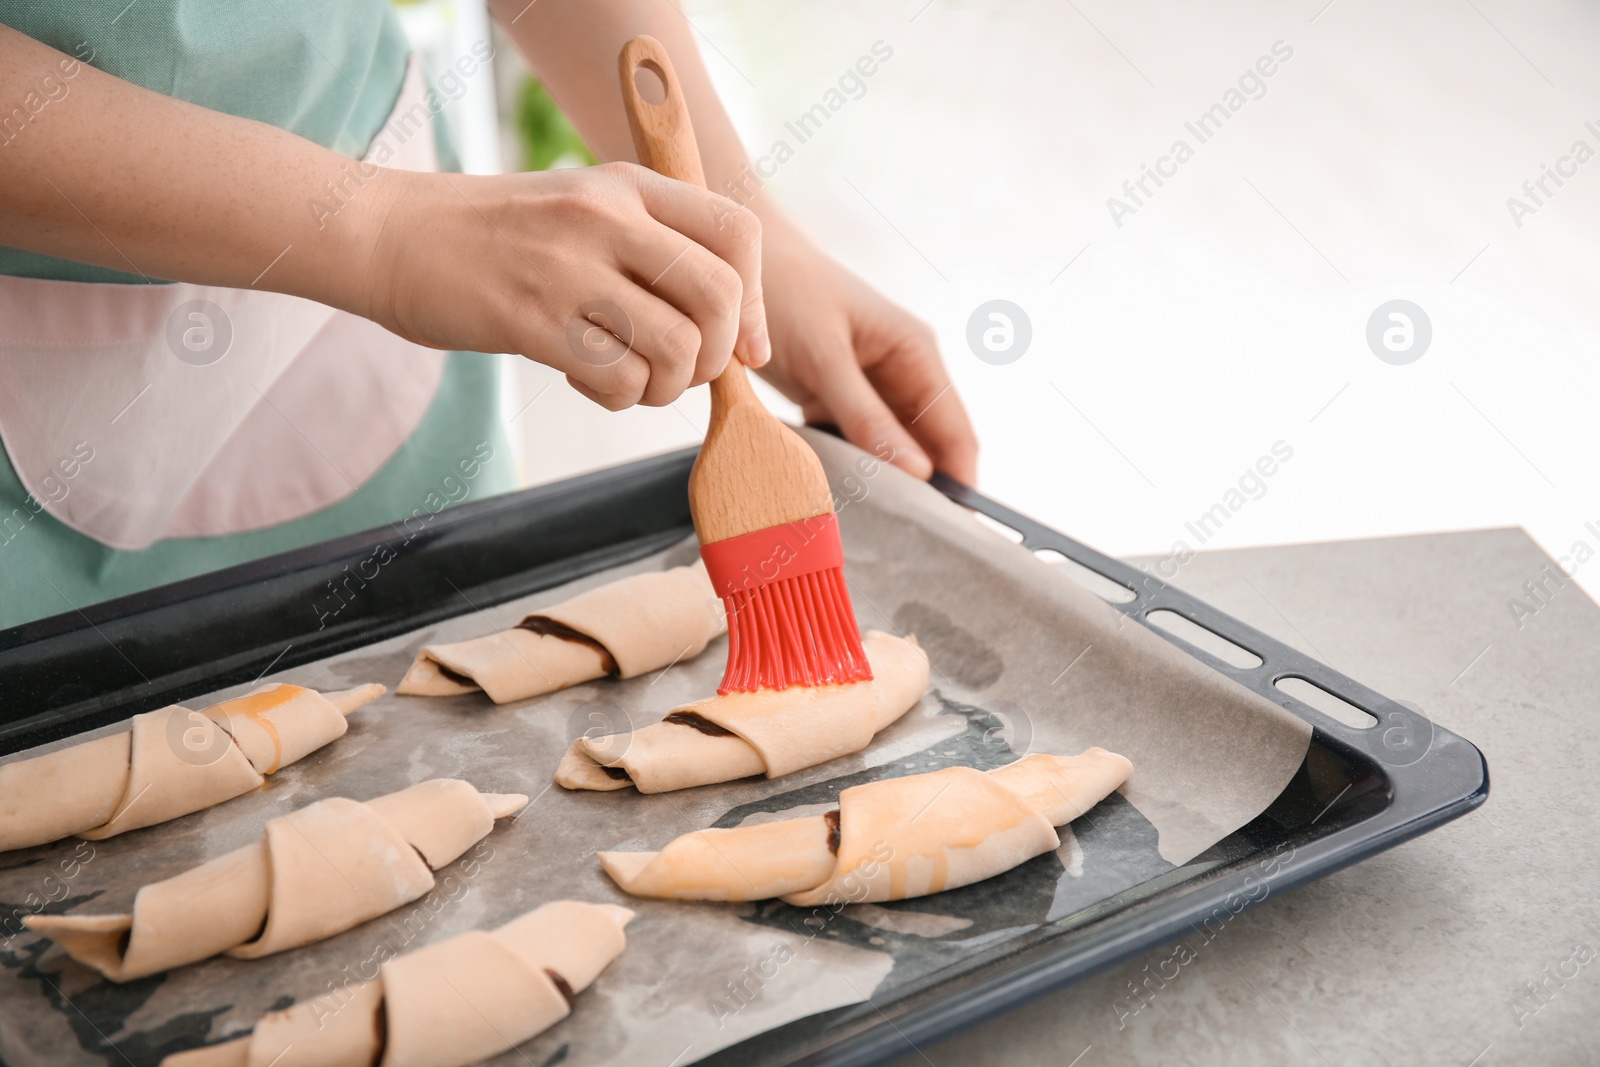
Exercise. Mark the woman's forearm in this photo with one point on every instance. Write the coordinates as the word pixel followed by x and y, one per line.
pixel 548 265
pixel 99 170
pixel 574 47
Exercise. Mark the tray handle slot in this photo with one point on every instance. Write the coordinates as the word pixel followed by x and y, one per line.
pixel 1149 594
pixel 1327 702
pixel 1010 533
pixel 1101 586
pixel 1203 638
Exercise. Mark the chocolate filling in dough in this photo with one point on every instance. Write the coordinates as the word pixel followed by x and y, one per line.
pixel 455 676
pixel 832 819
pixel 538 624
pixel 561 987
pixel 622 629
pixel 619 774
pixel 699 722
pixel 380 1040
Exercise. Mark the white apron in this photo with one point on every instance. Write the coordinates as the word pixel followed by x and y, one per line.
pixel 304 406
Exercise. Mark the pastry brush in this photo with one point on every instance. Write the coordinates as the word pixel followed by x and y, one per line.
pixel 760 499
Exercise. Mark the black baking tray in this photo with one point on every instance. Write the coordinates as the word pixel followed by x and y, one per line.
pixel 1359 791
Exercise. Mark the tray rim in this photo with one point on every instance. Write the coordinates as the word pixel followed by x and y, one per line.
pixel 28 729
pixel 1449 780
pixel 1456 783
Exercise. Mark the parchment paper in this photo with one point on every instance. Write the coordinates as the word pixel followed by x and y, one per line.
pixel 1024 659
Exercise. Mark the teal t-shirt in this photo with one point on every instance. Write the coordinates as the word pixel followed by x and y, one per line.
pixel 330 73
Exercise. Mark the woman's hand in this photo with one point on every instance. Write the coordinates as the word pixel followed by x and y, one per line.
pixel 633 285
pixel 840 350
pixel 849 356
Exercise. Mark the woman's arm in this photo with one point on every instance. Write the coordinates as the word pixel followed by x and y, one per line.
pixel 574 49
pixel 102 171
pixel 841 350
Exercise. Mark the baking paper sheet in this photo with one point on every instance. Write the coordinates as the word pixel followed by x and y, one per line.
pixel 1024 660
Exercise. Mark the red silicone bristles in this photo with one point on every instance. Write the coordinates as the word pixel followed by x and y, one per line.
pixel 799 630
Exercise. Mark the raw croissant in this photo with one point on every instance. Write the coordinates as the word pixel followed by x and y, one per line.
pixel 888 840
pixel 454 1002
pixel 771 731
pixel 172 762
pixel 627 628
pixel 317 872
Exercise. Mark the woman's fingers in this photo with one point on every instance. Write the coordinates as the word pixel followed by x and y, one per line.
pixel 609 401
pixel 916 386
pixel 685 285
pixel 842 394
pixel 732 234
pixel 614 371
pixel 635 285
pixel 603 334
pixel 696 284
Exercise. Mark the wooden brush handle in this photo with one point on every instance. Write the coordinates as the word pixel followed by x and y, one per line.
pixel 753 472
pixel 663 138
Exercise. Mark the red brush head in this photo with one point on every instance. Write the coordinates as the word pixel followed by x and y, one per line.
pixel 789 616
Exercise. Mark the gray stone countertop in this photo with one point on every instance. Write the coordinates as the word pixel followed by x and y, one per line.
pixel 1475 945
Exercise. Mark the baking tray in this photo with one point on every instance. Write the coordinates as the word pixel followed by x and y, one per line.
pixel 1359 790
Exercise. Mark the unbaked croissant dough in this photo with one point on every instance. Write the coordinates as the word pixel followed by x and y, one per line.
pixel 770 731
pixel 172 762
pixel 319 871
pixel 451 1003
pixel 889 840
pixel 628 627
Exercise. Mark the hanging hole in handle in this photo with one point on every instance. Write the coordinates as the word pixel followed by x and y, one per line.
pixel 650 83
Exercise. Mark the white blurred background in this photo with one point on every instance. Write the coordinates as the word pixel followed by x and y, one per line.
pixel 1229 311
